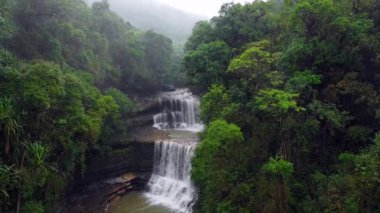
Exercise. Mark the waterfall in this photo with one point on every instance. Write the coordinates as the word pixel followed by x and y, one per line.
pixel 170 183
pixel 178 110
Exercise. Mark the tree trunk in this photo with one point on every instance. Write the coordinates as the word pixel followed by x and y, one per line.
pixel 18 201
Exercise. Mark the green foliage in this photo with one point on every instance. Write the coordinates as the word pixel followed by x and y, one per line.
pixel 276 102
pixel 297 78
pixel 126 105
pixel 219 135
pixel 279 167
pixel 42 84
pixel 215 149
pixel 9 123
pixel 32 206
pixel 207 63
pixel 7 181
pixel 201 34
pixel 329 113
pixel 301 80
pixel 313 15
pixel 359 91
pixel 273 187
pixel 36 154
pixel 66 114
pixel 64 72
pixel 256 66
pixel 158 55
pixel 6 58
pixel 254 58
pixel 6 25
pixel 238 25
pixel 94 40
pixel 348 189
pixel 216 104
pixel 303 85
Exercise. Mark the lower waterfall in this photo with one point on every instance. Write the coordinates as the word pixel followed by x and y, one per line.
pixel 170 183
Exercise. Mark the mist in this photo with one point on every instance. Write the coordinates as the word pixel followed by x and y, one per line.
pixel 152 15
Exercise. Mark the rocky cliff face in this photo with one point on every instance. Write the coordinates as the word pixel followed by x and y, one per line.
pixel 135 154
pixel 127 167
pixel 132 157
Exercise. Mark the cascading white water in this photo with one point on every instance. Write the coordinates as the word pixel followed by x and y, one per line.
pixel 170 184
pixel 179 110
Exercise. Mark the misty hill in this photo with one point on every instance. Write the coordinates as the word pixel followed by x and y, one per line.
pixel 149 14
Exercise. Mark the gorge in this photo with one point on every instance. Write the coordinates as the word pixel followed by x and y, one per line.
pixel 152 169
pixel 90 120
pixel 170 183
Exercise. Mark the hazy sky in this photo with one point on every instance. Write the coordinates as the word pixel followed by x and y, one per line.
pixel 203 7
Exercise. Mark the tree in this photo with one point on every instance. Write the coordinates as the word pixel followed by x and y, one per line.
pixel 42 84
pixel 256 66
pixel 6 25
pixel 58 61
pixel 126 105
pixel 274 185
pixel 216 104
pixel 158 55
pixel 215 149
pixel 9 124
pixel 238 25
pixel 206 65
pixel 303 78
pixel 202 33
pixel 276 102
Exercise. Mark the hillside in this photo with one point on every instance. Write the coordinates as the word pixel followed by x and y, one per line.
pixel 151 15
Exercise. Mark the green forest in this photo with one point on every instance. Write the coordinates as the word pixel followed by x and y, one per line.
pixel 291 101
pixel 64 71
pixel 292 106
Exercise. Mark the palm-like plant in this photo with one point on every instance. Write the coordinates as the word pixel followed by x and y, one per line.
pixel 36 153
pixel 5 180
pixel 9 125
pixel 10 177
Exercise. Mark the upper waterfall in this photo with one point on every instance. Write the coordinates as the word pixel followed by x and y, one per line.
pixel 178 110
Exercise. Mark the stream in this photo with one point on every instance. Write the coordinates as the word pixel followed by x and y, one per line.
pixel 170 189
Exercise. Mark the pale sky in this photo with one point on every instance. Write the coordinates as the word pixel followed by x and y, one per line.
pixel 208 8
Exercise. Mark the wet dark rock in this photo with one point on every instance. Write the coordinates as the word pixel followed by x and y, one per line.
pixel 147 134
pixel 129 157
pixel 99 196
pixel 168 88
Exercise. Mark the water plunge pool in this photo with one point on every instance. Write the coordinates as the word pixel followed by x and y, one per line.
pixel 137 202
